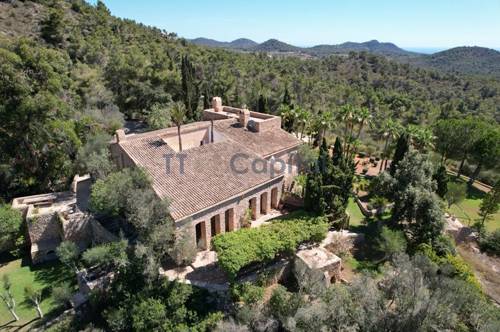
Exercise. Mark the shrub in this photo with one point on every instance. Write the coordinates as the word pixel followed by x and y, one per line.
pixel 247 293
pixel 241 248
pixel 491 243
pixel 390 242
pixel 10 225
pixel 110 254
pixel 451 265
pixel 283 303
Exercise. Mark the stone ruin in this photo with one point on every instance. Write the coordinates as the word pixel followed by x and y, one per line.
pixel 317 268
pixel 56 217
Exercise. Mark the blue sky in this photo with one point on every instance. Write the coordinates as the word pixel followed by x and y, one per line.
pixel 412 23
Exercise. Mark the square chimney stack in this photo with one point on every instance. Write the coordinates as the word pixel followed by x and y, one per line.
pixel 244 117
pixel 217 104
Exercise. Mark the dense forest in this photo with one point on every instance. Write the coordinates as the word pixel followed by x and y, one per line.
pixel 72 71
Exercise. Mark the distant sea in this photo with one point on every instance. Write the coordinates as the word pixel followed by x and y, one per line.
pixel 425 50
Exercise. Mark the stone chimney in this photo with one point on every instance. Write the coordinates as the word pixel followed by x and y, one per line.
pixel 217 104
pixel 120 135
pixel 244 117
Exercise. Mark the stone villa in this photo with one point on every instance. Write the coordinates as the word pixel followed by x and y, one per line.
pixel 233 161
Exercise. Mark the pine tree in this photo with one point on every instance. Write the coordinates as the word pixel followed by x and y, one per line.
pixel 190 89
pixel 52 29
pixel 402 147
pixel 490 203
pixel 441 178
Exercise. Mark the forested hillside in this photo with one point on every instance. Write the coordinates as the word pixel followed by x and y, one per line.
pixel 469 60
pixel 72 71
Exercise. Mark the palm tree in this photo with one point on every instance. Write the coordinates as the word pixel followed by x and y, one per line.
pixel 421 138
pixel 363 116
pixel 391 132
pixel 178 115
pixel 324 121
pixel 346 115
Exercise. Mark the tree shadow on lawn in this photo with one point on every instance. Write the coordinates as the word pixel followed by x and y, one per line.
pixel 472 192
pixel 366 257
pixel 52 273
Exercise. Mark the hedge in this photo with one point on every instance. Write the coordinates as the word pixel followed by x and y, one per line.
pixel 241 248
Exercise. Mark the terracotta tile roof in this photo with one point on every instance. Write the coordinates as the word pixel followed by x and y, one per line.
pixel 207 178
pixel 262 143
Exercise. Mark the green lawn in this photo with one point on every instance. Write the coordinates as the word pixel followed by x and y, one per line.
pixel 356 217
pixel 44 277
pixel 467 210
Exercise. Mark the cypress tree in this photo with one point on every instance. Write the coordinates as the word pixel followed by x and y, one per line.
pixel 313 199
pixel 190 90
pixel 441 178
pixel 261 106
pixel 337 152
pixel 287 99
pixel 402 147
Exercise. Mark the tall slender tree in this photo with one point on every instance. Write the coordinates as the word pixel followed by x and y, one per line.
pixel 402 147
pixel 190 89
pixel 178 115
pixel 490 204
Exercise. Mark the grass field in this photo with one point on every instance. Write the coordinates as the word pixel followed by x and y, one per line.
pixel 43 277
pixel 467 210
pixel 356 217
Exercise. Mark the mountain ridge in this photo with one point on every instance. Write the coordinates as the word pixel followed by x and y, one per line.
pixel 471 60
pixel 275 45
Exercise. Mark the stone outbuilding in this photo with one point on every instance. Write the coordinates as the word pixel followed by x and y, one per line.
pixel 317 267
pixel 54 217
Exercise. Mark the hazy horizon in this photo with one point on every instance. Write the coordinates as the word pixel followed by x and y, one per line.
pixel 436 25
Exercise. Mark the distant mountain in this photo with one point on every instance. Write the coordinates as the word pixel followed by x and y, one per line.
pixel 277 46
pixel 469 60
pixel 274 45
pixel 243 43
pixel 240 44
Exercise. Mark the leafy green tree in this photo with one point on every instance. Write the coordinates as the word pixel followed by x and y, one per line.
pixel 158 117
pixel 34 296
pixel 7 297
pixel 490 204
pixel 178 115
pixel 68 253
pixel 109 195
pixel 151 220
pixel 416 207
pixel 10 224
pixel 456 193
pixel 486 150
pixel 108 256
pixel 148 315
pixel 37 137
pixel 491 242
pixel 93 157
pixel 390 242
